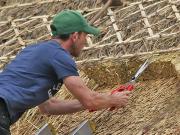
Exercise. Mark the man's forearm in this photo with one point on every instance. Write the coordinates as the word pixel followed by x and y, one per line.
pixel 56 107
pixel 100 101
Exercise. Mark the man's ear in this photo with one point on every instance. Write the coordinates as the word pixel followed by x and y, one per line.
pixel 75 36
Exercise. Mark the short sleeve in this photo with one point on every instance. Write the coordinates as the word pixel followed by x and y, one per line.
pixel 64 65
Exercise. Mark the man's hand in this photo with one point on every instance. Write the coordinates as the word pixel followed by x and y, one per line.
pixel 120 99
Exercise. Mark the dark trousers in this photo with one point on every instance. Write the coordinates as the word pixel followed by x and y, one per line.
pixel 4 119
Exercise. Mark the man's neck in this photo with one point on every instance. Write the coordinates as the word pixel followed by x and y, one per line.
pixel 64 44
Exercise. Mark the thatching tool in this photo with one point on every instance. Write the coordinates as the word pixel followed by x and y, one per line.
pixel 108 3
pixel 130 85
pixel 87 127
pixel 47 129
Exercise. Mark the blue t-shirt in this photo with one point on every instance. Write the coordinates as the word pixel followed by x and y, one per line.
pixel 34 76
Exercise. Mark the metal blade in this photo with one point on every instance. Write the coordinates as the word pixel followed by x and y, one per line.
pixel 84 128
pixel 45 130
pixel 141 70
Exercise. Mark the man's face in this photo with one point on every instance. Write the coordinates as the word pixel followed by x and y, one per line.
pixel 79 43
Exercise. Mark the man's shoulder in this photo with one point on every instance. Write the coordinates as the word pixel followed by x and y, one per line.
pixel 44 47
pixel 47 44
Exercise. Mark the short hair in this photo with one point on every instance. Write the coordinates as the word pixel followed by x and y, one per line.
pixel 64 37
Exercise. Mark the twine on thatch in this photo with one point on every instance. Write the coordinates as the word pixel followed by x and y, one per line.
pixel 128 56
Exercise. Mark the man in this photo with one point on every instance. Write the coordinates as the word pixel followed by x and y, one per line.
pixel 39 70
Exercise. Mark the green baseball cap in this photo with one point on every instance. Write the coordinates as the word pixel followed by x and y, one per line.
pixel 69 21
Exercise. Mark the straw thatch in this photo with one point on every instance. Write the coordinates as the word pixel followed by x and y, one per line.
pixel 153 106
pixel 130 34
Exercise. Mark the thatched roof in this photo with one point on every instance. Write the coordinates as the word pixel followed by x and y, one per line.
pixel 130 34
pixel 144 26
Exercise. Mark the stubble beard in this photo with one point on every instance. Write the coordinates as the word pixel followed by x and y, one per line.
pixel 74 50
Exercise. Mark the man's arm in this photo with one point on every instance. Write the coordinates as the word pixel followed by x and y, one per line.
pixel 87 99
pixel 93 100
pixel 56 107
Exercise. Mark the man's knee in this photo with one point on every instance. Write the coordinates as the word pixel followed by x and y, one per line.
pixel 4 131
pixel 4 126
pixel 4 119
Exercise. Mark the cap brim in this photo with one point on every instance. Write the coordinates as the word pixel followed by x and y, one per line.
pixel 92 30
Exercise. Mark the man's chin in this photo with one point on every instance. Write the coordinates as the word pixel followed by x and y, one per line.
pixel 75 55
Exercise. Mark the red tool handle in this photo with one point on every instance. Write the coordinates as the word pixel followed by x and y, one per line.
pixel 92 110
pixel 128 87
